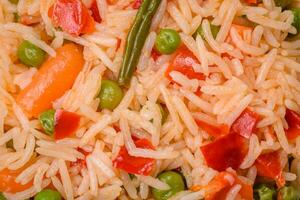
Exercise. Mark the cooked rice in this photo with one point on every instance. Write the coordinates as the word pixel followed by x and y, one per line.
pixel 256 68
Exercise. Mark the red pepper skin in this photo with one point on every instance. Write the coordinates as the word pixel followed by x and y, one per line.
pixel 155 54
pixel 118 43
pixel 226 151
pixel 293 120
pixel 72 16
pixel 81 163
pixel 137 4
pixel 182 62
pixel 245 124
pixel 252 2
pixel 95 12
pixel 268 165
pixel 215 131
pixel 132 164
pixel 66 124
pixel 219 186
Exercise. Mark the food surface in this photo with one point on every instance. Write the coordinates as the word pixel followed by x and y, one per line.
pixel 150 99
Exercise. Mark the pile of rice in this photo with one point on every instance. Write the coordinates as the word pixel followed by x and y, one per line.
pixel 261 73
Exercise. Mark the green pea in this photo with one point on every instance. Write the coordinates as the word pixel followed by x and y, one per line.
pixel 296 22
pixel 30 55
pixel 167 41
pixel 174 180
pixel 283 3
pixel 14 1
pixel 163 112
pixel 110 95
pixel 47 194
pixel 47 121
pixel 214 31
pixel 264 192
pixel 289 193
pixel 2 197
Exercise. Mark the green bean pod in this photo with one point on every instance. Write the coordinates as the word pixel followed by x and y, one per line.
pixel 133 31
pixel 136 39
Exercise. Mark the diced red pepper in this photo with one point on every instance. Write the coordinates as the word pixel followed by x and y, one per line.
pixel 218 188
pixel 132 164
pixel 226 151
pixel 80 162
pixel 198 92
pixel 66 124
pixel 245 124
pixel 215 131
pixel 95 12
pixel 117 128
pixel 89 26
pixel 118 43
pixel 182 62
pixel 72 16
pixel 252 2
pixel 293 120
pixel 111 2
pixel 29 20
pixel 136 4
pixel 268 165
pixel 155 54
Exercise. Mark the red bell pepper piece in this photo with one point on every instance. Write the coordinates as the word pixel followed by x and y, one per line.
pixel 118 43
pixel 268 165
pixel 293 120
pixel 155 54
pixel 29 20
pixel 182 62
pixel 218 188
pixel 95 12
pixel 137 4
pixel 66 123
pixel 226 151
pixel 81 163
pixel 72 16
pixel 252 2
pixel 132 164
pixel 215 131
pixel 245 124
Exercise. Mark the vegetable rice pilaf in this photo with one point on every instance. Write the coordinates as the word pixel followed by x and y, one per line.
pixel 150 99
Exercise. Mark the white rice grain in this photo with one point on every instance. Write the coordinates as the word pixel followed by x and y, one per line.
pixel 58 186
pixel 154 182
pixel 243 46
pixel 28 152
pixel 185 115
pixel 253 152
pixel 66 180
pixel 178 17
pixel 238 110
pixel 128 185
pixel 278 127
pixel 225 27
pixel 266 66
pixel 95 129
pixel 233 192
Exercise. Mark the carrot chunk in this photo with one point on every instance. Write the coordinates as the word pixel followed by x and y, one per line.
pixel 54 78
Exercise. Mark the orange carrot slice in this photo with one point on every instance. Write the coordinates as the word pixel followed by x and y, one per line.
pixel 8 183
pixel 8 177
pixel 54 78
